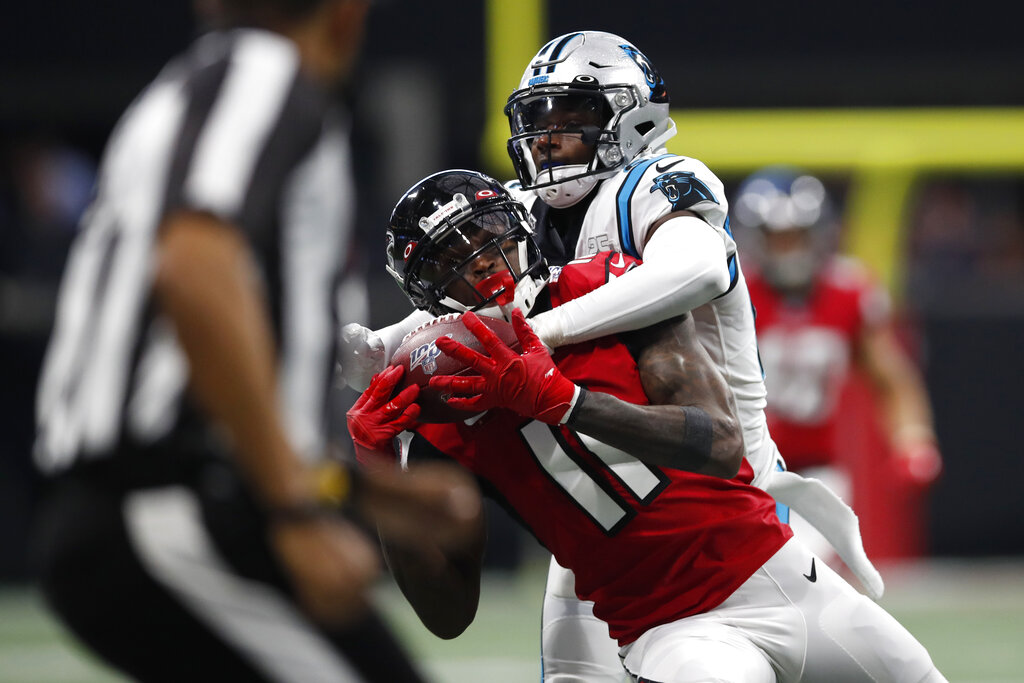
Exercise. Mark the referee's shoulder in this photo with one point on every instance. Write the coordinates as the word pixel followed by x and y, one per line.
pixel 239 62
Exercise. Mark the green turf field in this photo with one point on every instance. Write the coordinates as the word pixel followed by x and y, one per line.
pixel 970 615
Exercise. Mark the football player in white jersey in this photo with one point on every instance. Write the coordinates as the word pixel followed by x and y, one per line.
pixel 589 121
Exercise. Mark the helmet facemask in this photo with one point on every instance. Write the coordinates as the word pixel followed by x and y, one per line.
pixel 545 118
pixel 475 258
pixel 594 86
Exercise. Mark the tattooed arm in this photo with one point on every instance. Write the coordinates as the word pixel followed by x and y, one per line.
pixel 691 424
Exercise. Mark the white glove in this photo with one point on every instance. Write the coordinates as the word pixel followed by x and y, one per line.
pixel 361 355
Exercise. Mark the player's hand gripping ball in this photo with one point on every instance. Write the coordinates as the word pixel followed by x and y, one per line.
pixel 422 360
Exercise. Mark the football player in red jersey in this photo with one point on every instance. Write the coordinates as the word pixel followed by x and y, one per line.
pixel 819 317
pixel 634 484
pixel 589 120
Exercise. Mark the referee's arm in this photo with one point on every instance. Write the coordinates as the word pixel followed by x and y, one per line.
pixel 206 284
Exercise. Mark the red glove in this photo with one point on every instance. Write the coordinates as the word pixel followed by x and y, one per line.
pixel 376 419
pixel 528 384
pixel 917 462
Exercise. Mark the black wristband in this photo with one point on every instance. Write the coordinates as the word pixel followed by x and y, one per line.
pixel 300 513
pixel 698 433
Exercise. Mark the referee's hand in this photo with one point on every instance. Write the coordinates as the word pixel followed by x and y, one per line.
pixel 435 504
pixel 331 564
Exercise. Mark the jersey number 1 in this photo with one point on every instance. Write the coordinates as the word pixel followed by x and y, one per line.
pixel 589 488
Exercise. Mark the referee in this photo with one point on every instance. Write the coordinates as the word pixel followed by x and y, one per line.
pixel 182 404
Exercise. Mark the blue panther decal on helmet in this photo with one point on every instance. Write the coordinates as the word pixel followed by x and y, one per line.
pixel 683 189
pixel 659 92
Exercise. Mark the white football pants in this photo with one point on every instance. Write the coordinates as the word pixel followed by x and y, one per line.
pixel 778 626
pixel 575 645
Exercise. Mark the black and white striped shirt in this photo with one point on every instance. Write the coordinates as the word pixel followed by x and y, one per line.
pixel 231 128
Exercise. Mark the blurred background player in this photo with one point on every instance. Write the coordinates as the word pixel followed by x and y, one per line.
pixel 821 317
pixel 193 522
pixel 623 457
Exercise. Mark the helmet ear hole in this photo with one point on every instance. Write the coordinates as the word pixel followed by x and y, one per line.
pixel 644 127
pixel 610 156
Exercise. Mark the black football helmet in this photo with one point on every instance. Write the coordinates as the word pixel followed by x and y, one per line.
pixel 458 241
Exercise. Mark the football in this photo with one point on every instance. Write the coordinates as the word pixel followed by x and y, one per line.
pixel 421 358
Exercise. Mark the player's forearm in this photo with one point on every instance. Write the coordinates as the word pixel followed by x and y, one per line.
pixel 205 285
pixel 675 370
pixel 679 437
pixel 392 334
pixel 900 388
pixel 442 588
pixel 685 266
pixel 908 413
pixel 914 445
pixel 906 402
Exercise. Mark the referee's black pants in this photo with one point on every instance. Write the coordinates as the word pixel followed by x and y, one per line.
pixel 164 571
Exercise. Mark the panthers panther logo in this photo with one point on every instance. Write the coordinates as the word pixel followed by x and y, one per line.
pixel 659 93
pixel 683 189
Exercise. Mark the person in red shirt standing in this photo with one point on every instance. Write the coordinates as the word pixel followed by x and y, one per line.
pixel 820 318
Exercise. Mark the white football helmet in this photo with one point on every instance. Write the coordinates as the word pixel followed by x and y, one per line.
pixel 604 77
pixel 792 223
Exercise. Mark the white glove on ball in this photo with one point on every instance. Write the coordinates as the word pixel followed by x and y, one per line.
pixel 361 355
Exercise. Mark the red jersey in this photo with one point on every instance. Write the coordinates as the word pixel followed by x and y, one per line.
pixel 807 347
pixel 648 545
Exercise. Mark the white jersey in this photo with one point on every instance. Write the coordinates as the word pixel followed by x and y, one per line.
pixel 620 217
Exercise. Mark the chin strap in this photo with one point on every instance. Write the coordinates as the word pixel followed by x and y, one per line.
pixel 566 192
pixel 685 266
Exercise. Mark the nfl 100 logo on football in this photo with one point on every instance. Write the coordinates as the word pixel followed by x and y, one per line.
pixel 426 356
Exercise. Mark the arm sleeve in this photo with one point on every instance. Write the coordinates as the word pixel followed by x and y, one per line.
pixel 392 335
pixel 686 266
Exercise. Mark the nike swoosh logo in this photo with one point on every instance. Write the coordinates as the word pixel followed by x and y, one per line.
pixel 661 169
pixel 813 576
